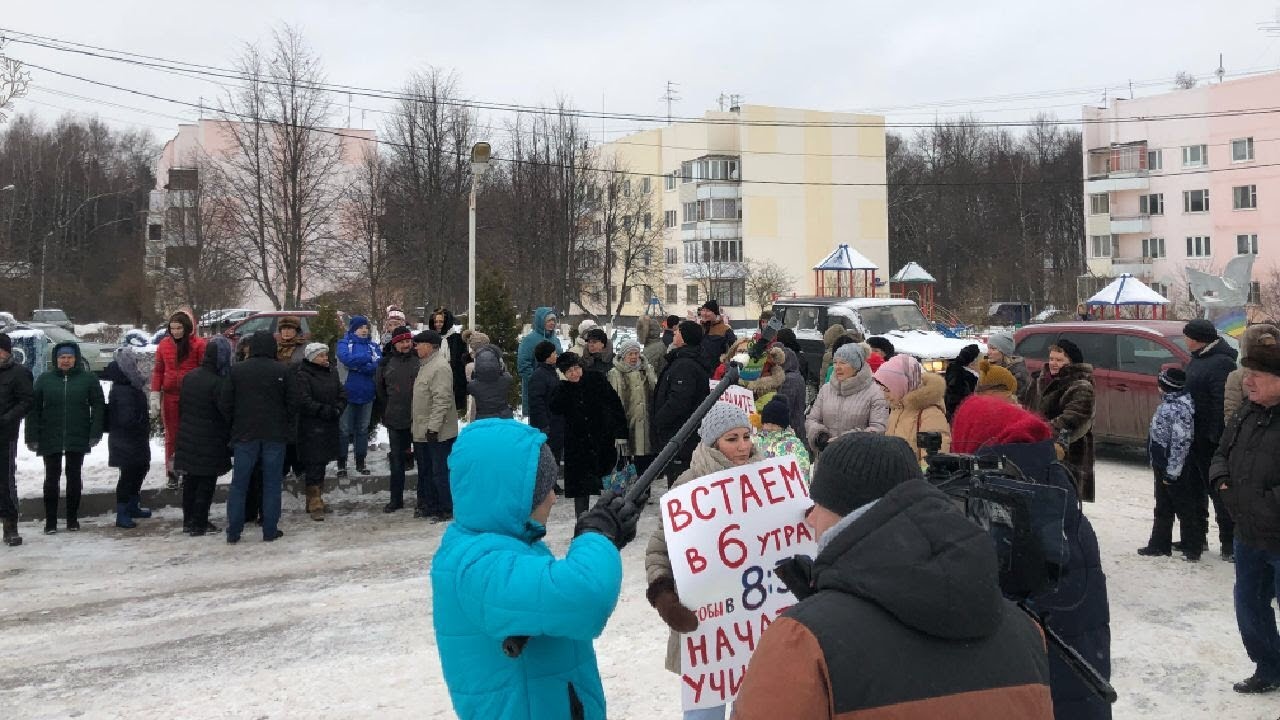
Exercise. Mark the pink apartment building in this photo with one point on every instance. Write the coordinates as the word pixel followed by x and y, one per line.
pixel 1190 178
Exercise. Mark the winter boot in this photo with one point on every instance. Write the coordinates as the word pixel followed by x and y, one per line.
pixel 315 506
pixel 135 508
pixel 123 518
pixel 11 536
pixel 1161 539
pixel 342 469
pixel 361 467
pixel 171 481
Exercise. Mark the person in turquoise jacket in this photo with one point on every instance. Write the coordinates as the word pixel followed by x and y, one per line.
pixel 493 578
pixel 542 328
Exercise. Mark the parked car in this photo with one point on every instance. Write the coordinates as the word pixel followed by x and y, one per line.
pixel 268 321
pixel 898 319
pixel 52 316
pixel 1126 356
pixel 36 353
pixel 219 320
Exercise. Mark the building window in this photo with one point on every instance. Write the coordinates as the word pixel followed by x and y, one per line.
pixel 613 294
pixel 626 188
pixel 597 227
pixel 1244 197
pixel 691 212
pixel 646 184
pixel 1155 160
pixel 1161 288
pixel 1255 293
pixel 1195 155
pixel 729 293
pixel 1099 204
pixel 154 232
pixel 648 219
pixel 669 218
pixel 708 251
pixel 1153 247
pixel 1242 150
pixel 1195 201
pixel 1100 246
pixel 1198 246
pixel 710 169
pixel 673 256
pixel 626 294
pixel 720 209
pixel 1152 204
pixel 691 294
pixel 1246 244
pixel 673 294
pixel 686 171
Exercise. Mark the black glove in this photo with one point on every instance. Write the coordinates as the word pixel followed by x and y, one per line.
pixel 613 517
pixel 797 574
pixel 821 440
pixel 433 436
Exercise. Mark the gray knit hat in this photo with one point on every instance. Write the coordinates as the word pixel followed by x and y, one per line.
pixel 852 355
pixel 722 418
pixel 1001 342
pixel 314 350
pixel 860 467
pixel 547 477
pixel 629 345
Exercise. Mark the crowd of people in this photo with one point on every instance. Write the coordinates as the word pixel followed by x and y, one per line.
pixel 278 403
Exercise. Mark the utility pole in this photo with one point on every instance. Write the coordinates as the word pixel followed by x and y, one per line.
pixel 670 97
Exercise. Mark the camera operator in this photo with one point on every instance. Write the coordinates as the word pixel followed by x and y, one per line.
pixel 905 617
pixel 1077 606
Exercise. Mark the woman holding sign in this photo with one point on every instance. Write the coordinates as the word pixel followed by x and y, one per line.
pixel 726 443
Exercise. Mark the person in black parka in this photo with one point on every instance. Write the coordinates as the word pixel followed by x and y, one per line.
pixel 543 385
pixel 128 434
pixel 320 399
pixel 1212 360
pixel 15 403
pixel 594 424
pixel 962 379
pixel 204 437
pixel 684 382
pixel 443 322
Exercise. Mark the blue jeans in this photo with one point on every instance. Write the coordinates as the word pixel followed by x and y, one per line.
pixel 1256 587
pixel 711 713
pixel 245 455
pixel 434 495
pixel 400 441
pixel 353 428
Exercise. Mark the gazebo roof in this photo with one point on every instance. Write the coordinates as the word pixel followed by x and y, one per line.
pixel 1127 290
pixel 846 258
pixel 912 272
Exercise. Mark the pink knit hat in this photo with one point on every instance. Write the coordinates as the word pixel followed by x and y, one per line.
pixel 901 374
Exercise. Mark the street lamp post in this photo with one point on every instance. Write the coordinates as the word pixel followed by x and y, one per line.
pixel 479 163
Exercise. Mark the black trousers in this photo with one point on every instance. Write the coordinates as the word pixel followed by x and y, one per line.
pixel 1198 463
pixel 314 474
pixel 1175 501
pixel 52 480
pixel 197 498
pixel 8 500
pixel 130 482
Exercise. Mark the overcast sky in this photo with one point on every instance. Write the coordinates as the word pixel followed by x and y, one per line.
pixel 903 57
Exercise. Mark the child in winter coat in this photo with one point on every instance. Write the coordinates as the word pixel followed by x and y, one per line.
pixel 1168 445
pixel 490 386
pixel 776 436
pixel 128 435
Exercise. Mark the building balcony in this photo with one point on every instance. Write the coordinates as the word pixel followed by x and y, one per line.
pixel 1139 267
pixel 1127 159
pixel 1130 224
pixel 1117 183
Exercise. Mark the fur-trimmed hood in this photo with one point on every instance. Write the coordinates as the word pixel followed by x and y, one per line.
pixel 930 393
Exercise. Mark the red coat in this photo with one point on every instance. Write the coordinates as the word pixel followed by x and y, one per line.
pixel 168 374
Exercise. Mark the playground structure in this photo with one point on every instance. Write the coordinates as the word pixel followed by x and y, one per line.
pixel 1128 298
pixel 845 273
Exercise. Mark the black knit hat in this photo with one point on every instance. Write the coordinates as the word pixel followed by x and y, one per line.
pixel 596 334
pixel 548 475
pixel 543 350
pixel 1070 349
pixel 776 412
pixel 711 305
pixel 968 354
pixel 859 468
pixel 567 361
pixel 1200 330
pixel 1172 379
pixel 691 332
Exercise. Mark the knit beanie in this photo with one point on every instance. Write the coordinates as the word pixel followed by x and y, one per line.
pixel 992 377
pixel 776 412
pixel 711 305
pixel 567 360
pixel 547 476
pixel 986 421
pixel 68 349
pixel 851 354
pixel 901 374
pixel 477 340
pixel 691 332
pixel 722 418
pixel 1071 350
pixel 543 350
pixel 596 334
pixel 858 468
pixel 314 350
pixel 627 346
pixel 1200 330
pixel 1172 380
pixel 5 343
pixel 1001 342
pixel 401 334
pixel 968 354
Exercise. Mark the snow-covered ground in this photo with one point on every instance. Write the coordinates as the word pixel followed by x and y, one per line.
pixel 335 621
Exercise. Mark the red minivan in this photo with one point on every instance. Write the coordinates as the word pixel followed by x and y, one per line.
pixel 1127 356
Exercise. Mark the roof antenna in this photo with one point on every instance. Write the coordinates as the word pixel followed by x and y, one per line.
pixel 1221 71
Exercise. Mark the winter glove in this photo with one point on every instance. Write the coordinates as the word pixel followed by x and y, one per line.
pixel 613 517
pixel 662 596
pixel 154 402
pixel 821 440
pixel 34 447
pixel 433 436
pixel 797 574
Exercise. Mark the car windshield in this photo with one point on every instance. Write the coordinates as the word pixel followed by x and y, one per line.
pixel 881 319
pixel 59 335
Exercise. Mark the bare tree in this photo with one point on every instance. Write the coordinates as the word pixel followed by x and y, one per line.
pixel 13 81
pixel 280 172
pixel 627 238
pixel 202 268
pixel 1184 80
pixel 361 217
pixel 766 280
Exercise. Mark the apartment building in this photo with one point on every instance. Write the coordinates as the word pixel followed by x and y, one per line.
pixel 755 183
pixel 1184 179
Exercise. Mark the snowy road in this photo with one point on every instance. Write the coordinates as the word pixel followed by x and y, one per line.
pixel 334 621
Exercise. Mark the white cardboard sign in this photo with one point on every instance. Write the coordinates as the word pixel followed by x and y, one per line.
pixel 739 396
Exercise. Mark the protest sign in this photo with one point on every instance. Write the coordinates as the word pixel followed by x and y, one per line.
pixel 725 532
pixel 738 395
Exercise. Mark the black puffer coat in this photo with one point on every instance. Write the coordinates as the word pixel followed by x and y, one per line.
pixel 257 396
pixel 1246 464
pixel 1068 403
pixel 128 420
pixel 491 384
pixel 684 382
pixel 543 386
pixel 15 398
pixel 204 433
pixel 960 384
pixel 394 386
pixel 459 356
pixel 320 399
pixel 1207 381
pixel 594 421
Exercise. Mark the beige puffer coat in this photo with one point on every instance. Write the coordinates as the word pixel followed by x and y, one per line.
pixel 921 410
pixel 635 389
pixel 856 404
pixel 657 565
